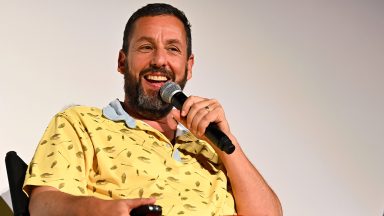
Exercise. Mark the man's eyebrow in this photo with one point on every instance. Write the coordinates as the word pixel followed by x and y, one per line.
pixel 149 39
pixel 144 38
pixel 173 41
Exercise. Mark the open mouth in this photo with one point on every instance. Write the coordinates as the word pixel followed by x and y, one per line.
pixel 156 78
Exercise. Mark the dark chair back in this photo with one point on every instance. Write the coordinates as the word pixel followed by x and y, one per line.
pixel 16 169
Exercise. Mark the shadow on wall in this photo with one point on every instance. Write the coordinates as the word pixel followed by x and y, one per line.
pixel 5 204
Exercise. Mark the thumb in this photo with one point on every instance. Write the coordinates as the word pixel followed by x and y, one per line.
pixel 176 115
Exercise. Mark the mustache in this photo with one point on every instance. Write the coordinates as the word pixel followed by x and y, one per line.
pixel 154 69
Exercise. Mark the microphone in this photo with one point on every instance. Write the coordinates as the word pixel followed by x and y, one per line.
pixel 171 93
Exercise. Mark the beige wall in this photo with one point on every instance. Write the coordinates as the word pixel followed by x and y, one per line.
pixel 301 82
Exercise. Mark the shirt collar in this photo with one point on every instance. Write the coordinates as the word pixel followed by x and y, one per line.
pixel 115 112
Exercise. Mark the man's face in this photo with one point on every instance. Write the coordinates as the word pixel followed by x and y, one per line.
pixel 157 53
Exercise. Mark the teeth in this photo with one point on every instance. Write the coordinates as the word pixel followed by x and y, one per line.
pixel 156 78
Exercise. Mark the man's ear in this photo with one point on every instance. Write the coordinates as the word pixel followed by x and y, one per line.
pixel 121 62
pixel 191 61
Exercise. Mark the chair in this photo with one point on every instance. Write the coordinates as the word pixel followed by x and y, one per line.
pixel 5 210
pixel 16 169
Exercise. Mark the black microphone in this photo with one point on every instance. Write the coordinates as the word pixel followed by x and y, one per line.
pixel 171 93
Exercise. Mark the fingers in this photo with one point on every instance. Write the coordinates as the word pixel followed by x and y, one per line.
pixel 176 115
pixel 200 112
pixel 201 116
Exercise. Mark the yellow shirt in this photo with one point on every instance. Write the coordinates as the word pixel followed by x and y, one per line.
pixel 86 154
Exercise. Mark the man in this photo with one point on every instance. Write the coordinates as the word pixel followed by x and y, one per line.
pixel 132 153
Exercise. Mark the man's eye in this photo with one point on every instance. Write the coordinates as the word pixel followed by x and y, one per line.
pixel 146 47
pixel 173 49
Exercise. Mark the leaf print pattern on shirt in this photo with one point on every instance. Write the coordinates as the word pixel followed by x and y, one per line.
pixel 55 137
pixel 53 164
pixel 109 138
pixel 144 159
pixel 113 161
pixel 123 178
pixel 61 185
pixel 101 182
pixel 109 149
pixel 79 154
pixel 189 207
pixel 46 175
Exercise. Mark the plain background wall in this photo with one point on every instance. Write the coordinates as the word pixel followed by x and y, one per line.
pixel 301 82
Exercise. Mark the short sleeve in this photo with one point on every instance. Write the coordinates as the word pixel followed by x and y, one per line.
pixel 59 160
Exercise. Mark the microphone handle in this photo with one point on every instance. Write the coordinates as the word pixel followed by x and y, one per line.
pixel 220 139
pixel 178 99
pixel 212 132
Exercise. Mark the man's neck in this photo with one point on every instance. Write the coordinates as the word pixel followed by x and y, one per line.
pixel 166 125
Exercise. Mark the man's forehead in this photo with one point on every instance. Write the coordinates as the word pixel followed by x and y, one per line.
pixel 166 23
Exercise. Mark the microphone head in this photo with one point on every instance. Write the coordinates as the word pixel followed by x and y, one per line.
pixel 168 90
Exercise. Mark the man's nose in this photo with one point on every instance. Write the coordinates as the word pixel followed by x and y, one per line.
pixel 159 58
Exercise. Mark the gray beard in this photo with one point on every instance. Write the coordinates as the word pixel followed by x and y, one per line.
pixel 148 105
pixel 151 106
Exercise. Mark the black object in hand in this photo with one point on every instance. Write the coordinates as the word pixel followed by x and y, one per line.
pixel 171 93
pixel 147 210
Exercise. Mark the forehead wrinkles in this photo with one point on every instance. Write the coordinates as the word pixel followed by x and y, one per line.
pixel 167 28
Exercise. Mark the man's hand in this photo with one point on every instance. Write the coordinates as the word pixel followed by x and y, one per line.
pixel 46 200
pixel 121 207
pixel 197 113
pixel 252 194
